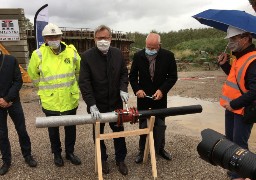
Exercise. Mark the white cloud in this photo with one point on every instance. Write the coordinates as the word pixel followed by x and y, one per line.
pixel 126 15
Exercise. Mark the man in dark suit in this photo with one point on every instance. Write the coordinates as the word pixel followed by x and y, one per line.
pixel 103 83
pixel 153 73
pixel 10 85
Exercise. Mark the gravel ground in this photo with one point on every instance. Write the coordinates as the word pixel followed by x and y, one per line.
pixel 186 163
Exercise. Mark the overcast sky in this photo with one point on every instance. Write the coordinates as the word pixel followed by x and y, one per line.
pixel 126 15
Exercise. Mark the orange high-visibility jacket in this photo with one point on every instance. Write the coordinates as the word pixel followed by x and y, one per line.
pixel 230 89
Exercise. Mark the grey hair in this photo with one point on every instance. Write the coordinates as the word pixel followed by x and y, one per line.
pixel 101 28
pixel 159 38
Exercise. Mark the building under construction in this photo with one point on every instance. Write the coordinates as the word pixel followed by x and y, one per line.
pixel 81 38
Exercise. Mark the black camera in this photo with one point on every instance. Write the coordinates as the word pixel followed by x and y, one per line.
pixel 216 149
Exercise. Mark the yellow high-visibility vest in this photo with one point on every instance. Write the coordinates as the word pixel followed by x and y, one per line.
pixel 56 77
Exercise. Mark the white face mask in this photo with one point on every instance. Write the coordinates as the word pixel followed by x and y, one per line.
pixel 150 52
pixel 234 46
pixel 54 44
pixel 103 45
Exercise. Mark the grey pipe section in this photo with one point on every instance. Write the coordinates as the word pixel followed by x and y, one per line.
pixel 67 120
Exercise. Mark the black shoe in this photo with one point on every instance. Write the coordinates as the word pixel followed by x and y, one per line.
pixel 58 161
pixel 4 169
pixel 73 159
pixel 139 157
pixel 30 161
pixel 122 168
pixel 105 167
pixel 165 155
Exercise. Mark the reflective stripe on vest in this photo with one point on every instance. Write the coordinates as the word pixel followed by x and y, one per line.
pixel 54 86
pixel 40 63
pixel 231 84
pixel 75 58
pixel 43 79
pixel 242 69
pixel 59 76
pixel 226 98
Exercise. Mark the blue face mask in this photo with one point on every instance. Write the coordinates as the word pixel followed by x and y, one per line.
pixel 150 52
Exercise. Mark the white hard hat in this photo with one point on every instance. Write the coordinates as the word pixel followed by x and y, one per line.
pixel 232 31
pixel 51 30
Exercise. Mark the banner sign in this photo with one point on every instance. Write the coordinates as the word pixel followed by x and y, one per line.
pixel 40 21
pixel 9 30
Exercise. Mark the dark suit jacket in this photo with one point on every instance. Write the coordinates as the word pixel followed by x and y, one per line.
pixel 102 77
pixel 165 77
pixel 10 79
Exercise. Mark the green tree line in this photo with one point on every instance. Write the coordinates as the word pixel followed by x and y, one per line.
pixel 188 43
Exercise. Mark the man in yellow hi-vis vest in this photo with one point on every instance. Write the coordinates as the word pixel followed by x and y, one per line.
pixel 54 69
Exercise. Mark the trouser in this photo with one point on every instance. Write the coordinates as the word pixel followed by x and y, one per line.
pixel 70 137
pixel 119 143
pixel 237 131
pixel 15 111
pixel 158 131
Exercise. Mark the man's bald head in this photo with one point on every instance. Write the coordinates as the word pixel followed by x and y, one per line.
pixel 153 41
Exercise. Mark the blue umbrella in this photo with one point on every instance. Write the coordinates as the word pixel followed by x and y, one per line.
pixel 221 19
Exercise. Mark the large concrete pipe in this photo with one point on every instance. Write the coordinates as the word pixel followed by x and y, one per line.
pixel 67 120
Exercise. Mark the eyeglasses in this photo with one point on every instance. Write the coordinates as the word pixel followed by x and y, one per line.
pixel 103 38
pixel 236 38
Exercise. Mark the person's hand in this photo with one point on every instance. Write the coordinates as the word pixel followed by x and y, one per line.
pixel 222 58
pixel 95 113
pixel 140 94
pixel 4 104
pixel 9 104
pixel 158 95
pixel 124 96
pixel 228 107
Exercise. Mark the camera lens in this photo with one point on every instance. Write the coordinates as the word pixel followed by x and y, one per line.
pixel 216 149
pixel 205 147
pixel 220 150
